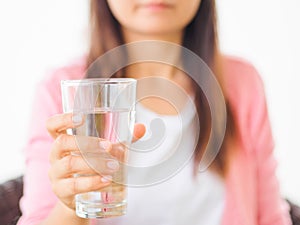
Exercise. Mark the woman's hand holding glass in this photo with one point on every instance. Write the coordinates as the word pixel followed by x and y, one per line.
pixel 67 163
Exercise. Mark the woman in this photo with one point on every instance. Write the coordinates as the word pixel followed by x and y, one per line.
pixel 239 188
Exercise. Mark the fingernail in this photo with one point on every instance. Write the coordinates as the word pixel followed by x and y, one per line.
pixel 112 164
pixel 104 145
pixel 106 178
pixel 77 119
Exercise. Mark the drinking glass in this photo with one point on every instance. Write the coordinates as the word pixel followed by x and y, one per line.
pixel 107 107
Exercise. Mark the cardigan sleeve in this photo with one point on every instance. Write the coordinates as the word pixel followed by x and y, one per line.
pixel 38 198
pixel 272 209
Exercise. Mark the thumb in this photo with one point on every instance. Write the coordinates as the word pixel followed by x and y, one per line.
pixel 138 132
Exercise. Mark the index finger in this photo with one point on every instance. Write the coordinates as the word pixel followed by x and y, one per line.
pixel 58 124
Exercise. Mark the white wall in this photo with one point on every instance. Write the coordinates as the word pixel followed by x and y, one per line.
pixel 36 36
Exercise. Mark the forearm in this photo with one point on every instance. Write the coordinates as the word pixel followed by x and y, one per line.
pixel 61 215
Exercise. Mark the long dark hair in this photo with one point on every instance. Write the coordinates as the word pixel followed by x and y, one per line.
pixel 200 37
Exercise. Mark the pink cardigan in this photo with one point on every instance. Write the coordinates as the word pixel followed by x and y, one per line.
pixel 252 189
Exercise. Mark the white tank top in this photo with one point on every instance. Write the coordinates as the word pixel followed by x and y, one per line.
pixel 176 199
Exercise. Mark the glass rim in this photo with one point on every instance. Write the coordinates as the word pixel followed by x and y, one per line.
pixel 95 81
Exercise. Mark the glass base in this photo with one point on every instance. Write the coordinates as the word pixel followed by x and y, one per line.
pixel 93 210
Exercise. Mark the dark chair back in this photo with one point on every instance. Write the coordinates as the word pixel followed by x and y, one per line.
pixel 10 194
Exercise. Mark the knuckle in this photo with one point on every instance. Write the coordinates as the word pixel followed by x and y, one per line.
pixel 57 148
pixel 54 188
pixel 50 175
pixel 67 163
pixel 51 157
pixel 94 182
pixel 74 186
pixel 49 124
pixel 67 117
pixel 57 191
pixel 53 182
pixel 63 141
pixel 85 184
pixel 63 145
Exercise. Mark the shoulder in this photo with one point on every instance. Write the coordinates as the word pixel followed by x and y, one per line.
pixel 49 90
pixel 242 82
pixel 241 76
pixel 244 91
pixel 74 70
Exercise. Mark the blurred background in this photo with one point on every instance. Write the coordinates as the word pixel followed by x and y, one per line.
pixel 38 36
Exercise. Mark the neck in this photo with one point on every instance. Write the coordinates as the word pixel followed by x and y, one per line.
pixel 166 53
pixel 175 37
pixel 164 67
